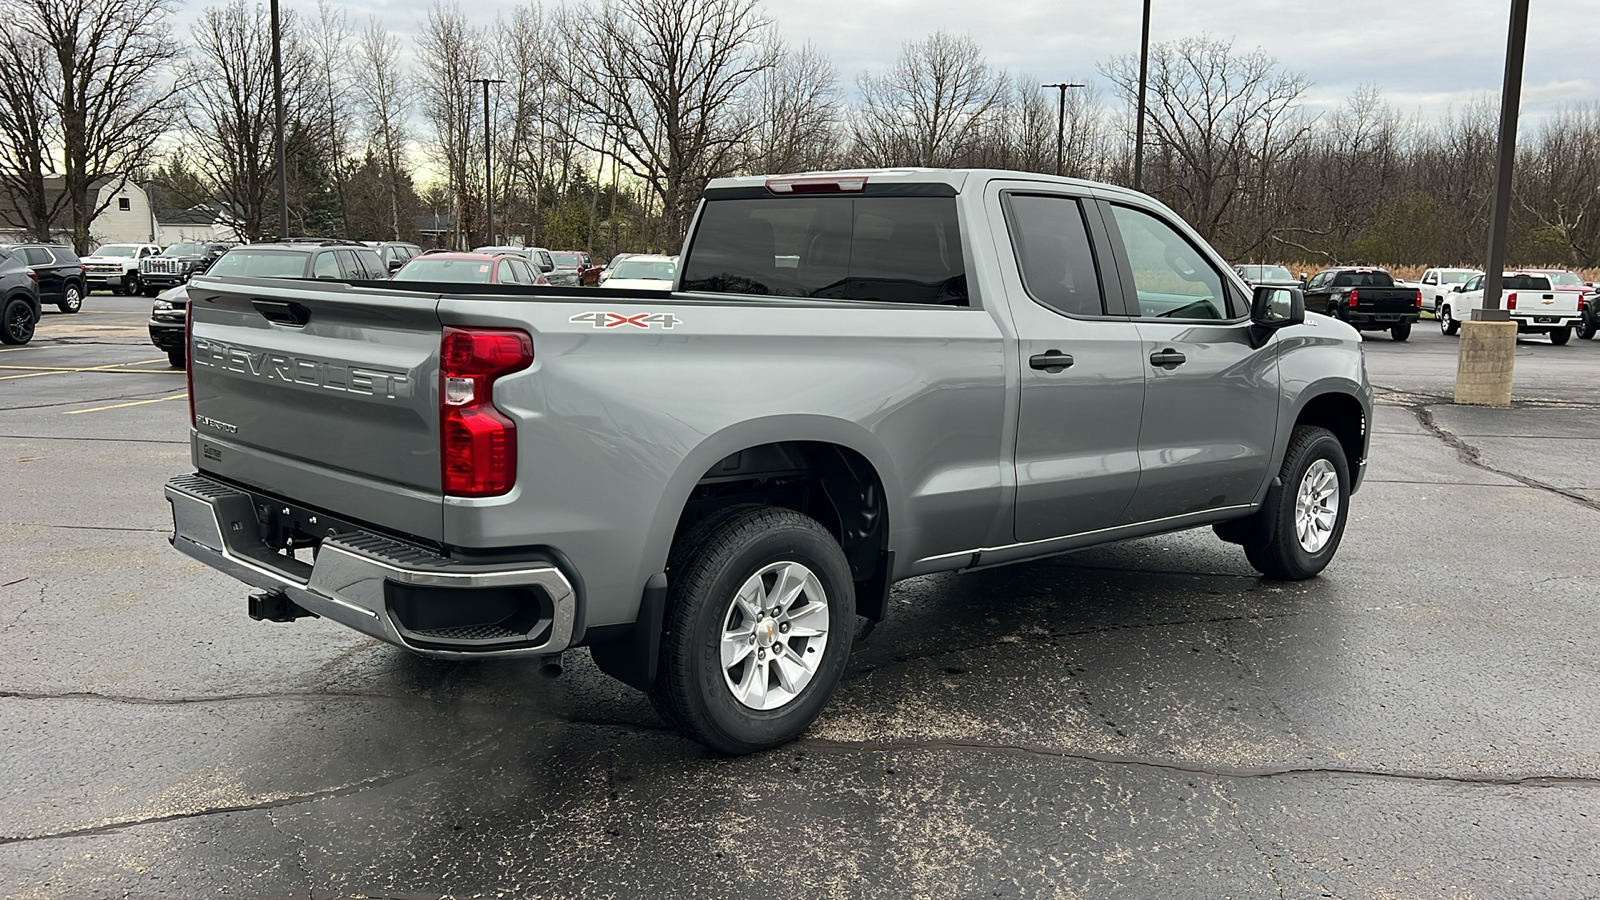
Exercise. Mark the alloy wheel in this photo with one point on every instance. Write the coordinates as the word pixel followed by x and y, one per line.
pixel 773 635
pixel 1316 508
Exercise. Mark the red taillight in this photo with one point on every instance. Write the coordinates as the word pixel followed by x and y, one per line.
pixel 1353 296
pixel 833 184
pixel 478 443
pixel 1511 301
pixel 1583 302
pixel 1419 299
pixel 34 275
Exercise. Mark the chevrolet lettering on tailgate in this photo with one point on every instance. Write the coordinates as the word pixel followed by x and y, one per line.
pixel 301 370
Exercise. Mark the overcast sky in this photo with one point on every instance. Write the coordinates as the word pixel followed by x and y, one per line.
pixel 1427 56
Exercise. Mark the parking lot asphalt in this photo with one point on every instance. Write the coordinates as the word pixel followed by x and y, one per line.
pixel 1151 718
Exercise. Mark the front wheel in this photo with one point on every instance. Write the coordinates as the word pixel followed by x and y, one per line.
pixel 1400 331
pixel 1308 516
pixel 1447 323
pixel 130 284
pixel 71 299
pixel 176 358
pixel 760 616
pixel 1560 336
pixel 17 321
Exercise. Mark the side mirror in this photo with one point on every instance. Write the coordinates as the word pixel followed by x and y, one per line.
pixel 1275 307
pixel 547 269
pixel 1457 288
pixel 394 265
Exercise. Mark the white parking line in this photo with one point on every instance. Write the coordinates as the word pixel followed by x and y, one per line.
pixel 121 405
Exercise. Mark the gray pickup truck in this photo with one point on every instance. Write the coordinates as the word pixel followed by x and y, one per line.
pixel 859 378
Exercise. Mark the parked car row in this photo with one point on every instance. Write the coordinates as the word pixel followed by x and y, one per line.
pixel 56 269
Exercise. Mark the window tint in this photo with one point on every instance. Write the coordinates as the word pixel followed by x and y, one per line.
pixel 37 256
pixel 327 266
pixel 1052 246
pixel 465 271
pixel 508 273
pixel 376 268
pixel 260 264
pixel 545 262
pixel 890 249
pixel 1363 279
pixel 1526 283
pixel 1171 278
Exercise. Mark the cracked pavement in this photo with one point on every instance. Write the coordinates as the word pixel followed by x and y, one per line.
pixel 1150 718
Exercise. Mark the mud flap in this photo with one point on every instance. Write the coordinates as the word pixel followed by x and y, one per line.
pixel 633 658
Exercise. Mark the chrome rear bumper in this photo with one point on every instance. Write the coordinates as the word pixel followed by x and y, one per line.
pixel 358 578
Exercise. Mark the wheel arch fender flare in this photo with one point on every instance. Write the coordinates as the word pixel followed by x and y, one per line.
pixel 754 433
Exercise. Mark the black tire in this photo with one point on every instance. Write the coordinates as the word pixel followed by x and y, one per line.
pixel 149 291
pixel 1559 336
pixel 1447 323
pixel 176 357
pixel 1400 331
pixel 17 321
pixel 71 298
pixel 131 284
pixel 708 565
pixel 1281 555
pixel 1586 329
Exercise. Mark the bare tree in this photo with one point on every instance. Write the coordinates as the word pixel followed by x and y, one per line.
pixel 106 77
pixel 1220 122
pixel 797 112
pixel 450 52
pixel 28 126
pixel 664 81
pixel 230 115
pixel 931 106
pixel 327 41
pixel 386 102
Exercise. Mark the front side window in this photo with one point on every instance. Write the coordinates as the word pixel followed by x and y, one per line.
pixel 327 266
pixel 884 249
pixel 1051 242
pixel 1171 278
pixel 1473 284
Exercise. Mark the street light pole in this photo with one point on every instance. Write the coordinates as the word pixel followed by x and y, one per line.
pixel 1138 127
pixel 1486 358
pixel 277 136
pixel 1061 118
pixel 1500 211
pixel 488 169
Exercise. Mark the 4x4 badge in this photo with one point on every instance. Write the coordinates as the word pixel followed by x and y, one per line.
pixel 637 320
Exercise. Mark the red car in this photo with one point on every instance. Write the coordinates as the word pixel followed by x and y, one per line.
pixel 471 268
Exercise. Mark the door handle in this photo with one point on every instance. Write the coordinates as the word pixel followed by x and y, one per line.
pixel 1167 359
pixel 1051 361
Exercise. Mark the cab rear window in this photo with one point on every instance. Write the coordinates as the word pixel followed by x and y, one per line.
pixel 883 249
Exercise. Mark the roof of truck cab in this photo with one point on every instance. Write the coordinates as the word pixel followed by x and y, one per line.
pixel 956 179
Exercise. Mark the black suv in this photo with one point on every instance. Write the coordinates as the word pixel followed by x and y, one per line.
pixel 61 275
pixel 19 300
pixel 303 258
pixel 177 264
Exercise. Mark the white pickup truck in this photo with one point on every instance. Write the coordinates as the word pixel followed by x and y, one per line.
pixel 1534 303
pixel 1436 283
pixel 115 267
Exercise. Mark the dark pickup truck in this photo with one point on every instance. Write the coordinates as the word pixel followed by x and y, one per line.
pixel 1365 298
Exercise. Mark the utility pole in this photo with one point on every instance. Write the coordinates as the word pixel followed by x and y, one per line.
pixel 1061 117
pixel 277 136
pixel 1487 355
pixel 488 170
pixel 1138 127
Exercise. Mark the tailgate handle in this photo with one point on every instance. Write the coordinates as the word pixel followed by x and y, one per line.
pixel 283 313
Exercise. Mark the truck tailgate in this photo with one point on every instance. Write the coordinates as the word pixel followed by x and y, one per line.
pixel 323 392
pixel 1384 300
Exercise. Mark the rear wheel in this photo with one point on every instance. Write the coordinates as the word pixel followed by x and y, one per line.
pixel 1586 329
pixel 176 357
pixel 1560 336
pixel 1307 520
pixel 71 298
pixel 760 617
pixel 1447 322
pixel 1400 331
pixel 17 321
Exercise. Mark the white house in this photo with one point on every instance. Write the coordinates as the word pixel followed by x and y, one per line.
pixel 129 217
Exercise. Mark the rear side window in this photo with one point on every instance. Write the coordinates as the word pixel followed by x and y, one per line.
pixel 887 249
pixel 1051 241
pixel 37 256
pixel 260 264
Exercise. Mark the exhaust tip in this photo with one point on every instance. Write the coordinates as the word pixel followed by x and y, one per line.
pixel 553 665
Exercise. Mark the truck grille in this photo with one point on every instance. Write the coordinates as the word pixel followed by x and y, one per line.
pixel 158 266
pixel 102 269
